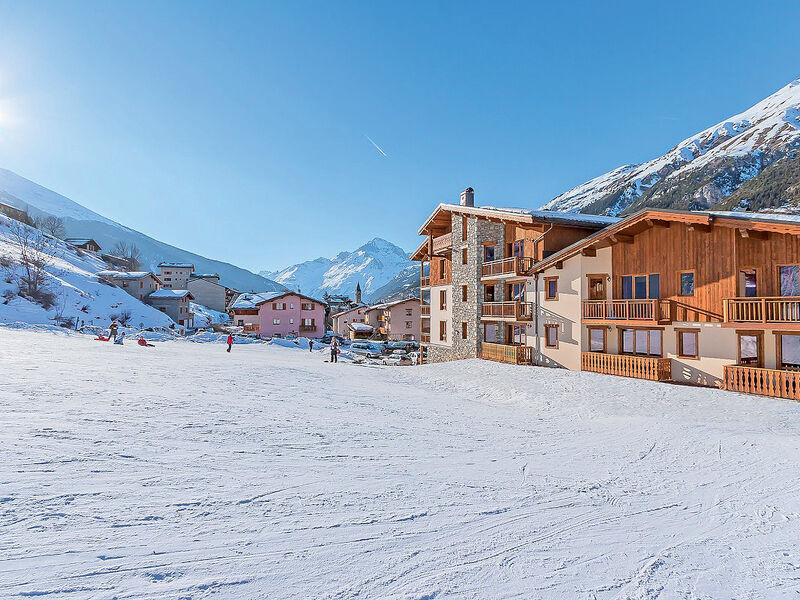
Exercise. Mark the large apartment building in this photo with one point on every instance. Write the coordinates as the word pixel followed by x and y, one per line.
pixel 476 261
pixel 707 298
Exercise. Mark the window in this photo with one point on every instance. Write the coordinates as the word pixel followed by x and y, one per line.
pixel 240 323
pixel 307 322
pixel 490 333
pixel 442 331
pixel 750 345
pixel 789 276
pixel 516 292
pixel 464 228
pixel 627 287
pixel 518 248
pixel 278 306
pixel 291 321
pixel 291 306
pixel 408 324
pixel 441 268
pixel 408 312
pixel 551 288
pixel 688 343
pixel 463 330
pixel 654 286
pixel 463 256
pixel 306 306
pixel 516 334
pixel 640 342
pixel 789 351
pixel 276 321
pixel 641 287
pixel 551 336
pixel 687 283
pixel 597 339
pixel 463 293
pixel 141 284
pixel 488 253
pixel 442 299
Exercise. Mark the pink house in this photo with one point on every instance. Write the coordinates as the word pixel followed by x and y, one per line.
pixel 277 314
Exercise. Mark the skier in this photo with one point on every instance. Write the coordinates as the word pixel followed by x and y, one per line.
pixel 118 340
pixel 112 331
pixel 230 341
pixel 334 350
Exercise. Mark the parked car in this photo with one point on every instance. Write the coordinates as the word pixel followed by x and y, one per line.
pixel 290 336
pixel 328 338
pixel 405 346
pixel 365 349
pixel 397 359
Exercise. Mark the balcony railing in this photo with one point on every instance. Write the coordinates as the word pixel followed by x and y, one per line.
pixel 442 243
pixel 425 281
pixel 781 309
pixel 517 266
pixel 659 311
pixel 763 382
pixel 507 311
pixel 640 367
pixel 516 355
pixel 308 327
pixel 425 338
pixel 252 328
pixel 425 310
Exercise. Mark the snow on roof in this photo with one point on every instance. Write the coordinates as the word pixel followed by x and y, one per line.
pixel 169 294
pixel 756 216
pixel 360 327
pixel 385 305
pixel 349 310
pixel 176 265
pixel 556 215
pixel 79 241
pixel 124 274
pixel 253 299
pixel 204 275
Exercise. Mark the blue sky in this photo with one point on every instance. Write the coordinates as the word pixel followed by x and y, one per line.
pixel 238 130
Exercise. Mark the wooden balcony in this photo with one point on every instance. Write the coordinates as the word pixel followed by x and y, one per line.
pixel 507 311
pixel 627 311
pixel 780 310
pixel 425 337
pixel 516 355
pixel 516 266
pixel 640 367
pixel 252 328
pixel 763 382
pixel 425 310
pixel 443 244
pixel 425 281
pixel 308 327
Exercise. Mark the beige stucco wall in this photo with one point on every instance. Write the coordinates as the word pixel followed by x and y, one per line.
pixel 175 278
pixel 398 319
pixel 438 315
pixel 341 321
pixel 208 294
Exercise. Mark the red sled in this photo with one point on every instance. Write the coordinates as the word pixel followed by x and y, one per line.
pixel 100 338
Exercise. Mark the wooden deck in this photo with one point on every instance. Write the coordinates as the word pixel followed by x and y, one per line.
pixel 640 311
pixel 516 355
pixel 781 310
pixel 640 367
pixel 762 382
pixel 507 311
pixel 516 266
pixel 425 281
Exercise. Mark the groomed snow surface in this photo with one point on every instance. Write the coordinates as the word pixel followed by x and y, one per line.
pixel 182 471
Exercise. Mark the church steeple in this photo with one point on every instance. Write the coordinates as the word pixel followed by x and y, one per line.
pixel 358 293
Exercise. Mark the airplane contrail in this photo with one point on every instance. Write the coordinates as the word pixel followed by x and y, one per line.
pixel 378 148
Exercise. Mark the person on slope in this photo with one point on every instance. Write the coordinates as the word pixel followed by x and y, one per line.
pixel 310 345
pixel 230 341
pixel 119 339
pixel 112 331
pixel 143 342
pixel 334 350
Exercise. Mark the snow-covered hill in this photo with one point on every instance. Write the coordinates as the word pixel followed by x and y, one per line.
pixel 704 170
pixel 82 222
pixel 373 265
pixel 78 292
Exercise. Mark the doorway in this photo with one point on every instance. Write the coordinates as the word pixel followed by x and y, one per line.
pixel 748 283
pixel 597 287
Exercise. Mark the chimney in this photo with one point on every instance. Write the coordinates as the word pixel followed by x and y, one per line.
pixel 468 197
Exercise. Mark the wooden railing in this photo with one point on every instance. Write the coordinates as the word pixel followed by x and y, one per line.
pixel 516 265
pixel 627 310
pixel 764 382
pixel 641 367
pixel 308 327
pixel 425 310
pixel 425 281
pixel 252 328
pixel 780 309
pixel 425 338
pixel 517 311
pixel 442 243
pixel 517 355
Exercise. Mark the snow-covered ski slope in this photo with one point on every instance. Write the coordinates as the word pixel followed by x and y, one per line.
pixel 182 471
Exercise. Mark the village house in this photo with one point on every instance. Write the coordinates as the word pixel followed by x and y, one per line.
pixel 139 284
pixel 398 320
pixel 341 321
pixel 208 291
pixel 175 276
pixel 278 314
pixel 86 244
pixel 175 304
pixel 14 213
pixel 475 264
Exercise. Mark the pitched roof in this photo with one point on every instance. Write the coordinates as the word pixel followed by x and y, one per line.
pixel 126 274
pixel 360 327
pixel 385 305
pixel 176 265
pixel 80 241
pixel 165 294
pixel 248 300
pixel 349 310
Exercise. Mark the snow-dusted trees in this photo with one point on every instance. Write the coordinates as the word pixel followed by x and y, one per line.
pixel 35 251
pixel 52 225
pixel 129 251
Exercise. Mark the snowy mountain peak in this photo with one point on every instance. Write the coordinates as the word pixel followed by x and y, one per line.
pixel 703 170
pixel 372 265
